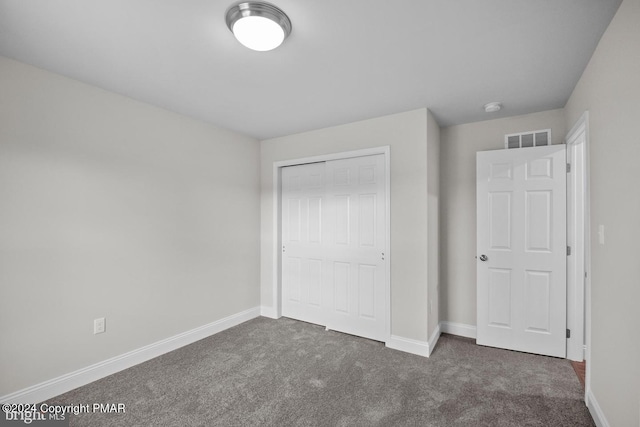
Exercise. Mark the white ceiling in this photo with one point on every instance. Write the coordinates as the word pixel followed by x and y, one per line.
pixel 345 60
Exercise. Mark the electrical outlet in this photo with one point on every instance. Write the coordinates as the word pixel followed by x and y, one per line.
pixel 99 325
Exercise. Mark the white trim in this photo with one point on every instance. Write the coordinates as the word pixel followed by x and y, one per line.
pixel 276 302
pixel 277 185
pixel 64 383
pixel 333 156
pixel 587 255
pixel 435 336
pixel 595 410
pixel 269 312
pixel 387 227
pixel 408 345
pixel 577 145
pixel 460 329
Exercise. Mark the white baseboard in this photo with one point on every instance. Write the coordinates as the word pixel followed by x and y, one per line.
pixel 460 329
pixel 269 312
pixel 595 410
pixel 62 384
pixel 408 345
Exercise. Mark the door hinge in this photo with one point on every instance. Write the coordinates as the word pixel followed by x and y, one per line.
pixel 568 167
pixel 568 333
pixel 568 250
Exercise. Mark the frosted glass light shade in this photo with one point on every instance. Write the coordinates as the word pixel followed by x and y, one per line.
pixel 258 33
pixel 258 25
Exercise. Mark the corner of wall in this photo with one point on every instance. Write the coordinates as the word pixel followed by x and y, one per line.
pixel 433 224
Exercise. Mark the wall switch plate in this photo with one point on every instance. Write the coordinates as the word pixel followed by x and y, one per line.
pixel 99 325
pixel 601 234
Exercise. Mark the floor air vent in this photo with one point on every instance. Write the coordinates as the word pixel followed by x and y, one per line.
pixel 534 138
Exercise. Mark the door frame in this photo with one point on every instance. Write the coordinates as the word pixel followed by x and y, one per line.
pixel 277 221
pixel 578 312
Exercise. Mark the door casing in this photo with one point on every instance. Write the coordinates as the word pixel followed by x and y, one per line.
pixel 579 346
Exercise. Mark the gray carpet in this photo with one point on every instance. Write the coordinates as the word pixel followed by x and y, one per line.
pixel 284 372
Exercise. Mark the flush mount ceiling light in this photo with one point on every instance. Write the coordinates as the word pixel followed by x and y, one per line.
pixel 492 107
pixel 258 25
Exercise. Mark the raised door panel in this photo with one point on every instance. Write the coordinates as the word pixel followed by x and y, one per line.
pixel 342 219
pixel 539 221
pixel 500 220
pixel 315 280
pixel 499 298
pixel 538 301
pixel 293 269
pixel 294 220
pixel 315 220
pixel 341 285
pixel 367 291
pixel 539 169
pixel 367 219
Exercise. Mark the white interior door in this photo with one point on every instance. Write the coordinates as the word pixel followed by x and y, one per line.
pixel 521 249
pixel 333 235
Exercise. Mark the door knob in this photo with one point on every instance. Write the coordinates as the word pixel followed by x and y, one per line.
pixel 483 257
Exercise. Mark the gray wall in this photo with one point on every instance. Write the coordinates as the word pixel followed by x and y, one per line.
pixel 110 207
pixel 458 203
pixel 610 90
pixel 406 134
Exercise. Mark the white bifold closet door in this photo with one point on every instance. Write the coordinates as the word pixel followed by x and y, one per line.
pixel 333 243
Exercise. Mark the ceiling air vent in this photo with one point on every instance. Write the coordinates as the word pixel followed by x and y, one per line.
pixel 534 138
